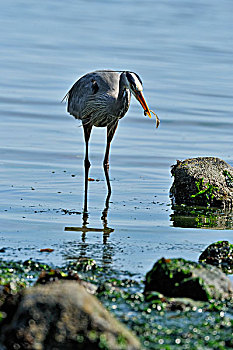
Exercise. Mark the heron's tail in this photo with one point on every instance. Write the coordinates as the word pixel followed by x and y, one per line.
pixel 65 98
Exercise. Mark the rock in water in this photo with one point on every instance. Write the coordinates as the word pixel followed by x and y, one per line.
pixel 63 315
pixel 181 278
pixel 203 181
pixel 219 254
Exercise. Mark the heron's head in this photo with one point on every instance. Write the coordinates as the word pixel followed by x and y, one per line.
pixel 135 86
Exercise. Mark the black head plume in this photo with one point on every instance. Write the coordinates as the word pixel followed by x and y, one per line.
pixel 131 78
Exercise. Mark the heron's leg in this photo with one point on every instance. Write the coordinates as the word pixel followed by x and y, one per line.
pixel 110 133
pixel 87 132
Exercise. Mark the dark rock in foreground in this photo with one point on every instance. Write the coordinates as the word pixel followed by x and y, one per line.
pixel 219 254
pixel 203 181
pixel 181 278
pixel 63 315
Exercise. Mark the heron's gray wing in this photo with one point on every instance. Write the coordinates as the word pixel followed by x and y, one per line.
pixel 88 96
pixel 79 96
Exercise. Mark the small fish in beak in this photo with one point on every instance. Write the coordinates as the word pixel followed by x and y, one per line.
pixel 157 118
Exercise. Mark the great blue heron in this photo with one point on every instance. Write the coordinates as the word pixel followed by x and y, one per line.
pixel 101 98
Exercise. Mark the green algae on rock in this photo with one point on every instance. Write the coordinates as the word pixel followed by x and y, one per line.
pixel 159 322
pixel 219 254
pixel 182 278
pixel 201 217
pixel 203 181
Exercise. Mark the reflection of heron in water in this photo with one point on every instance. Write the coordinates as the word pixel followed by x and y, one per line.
pixel 85 228
pixel 101 99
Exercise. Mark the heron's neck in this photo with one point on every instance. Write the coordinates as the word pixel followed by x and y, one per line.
pixel 123 85
pixel 124 95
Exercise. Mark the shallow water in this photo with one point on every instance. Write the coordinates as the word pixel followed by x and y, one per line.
pixel 183 52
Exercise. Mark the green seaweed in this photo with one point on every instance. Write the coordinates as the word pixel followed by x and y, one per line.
pixel 205 190
pixel 229 178
pixel 206 221
pixel 159 322
pixel 201 217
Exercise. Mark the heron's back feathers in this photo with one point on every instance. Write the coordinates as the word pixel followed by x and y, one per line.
pixel 97 98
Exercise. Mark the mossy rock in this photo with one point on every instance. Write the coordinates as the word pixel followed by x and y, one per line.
pixel 203 181
pixel 219 254
pixel 63 315
pixel 181 278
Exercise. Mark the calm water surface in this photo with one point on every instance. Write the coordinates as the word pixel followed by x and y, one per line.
pixel 183 52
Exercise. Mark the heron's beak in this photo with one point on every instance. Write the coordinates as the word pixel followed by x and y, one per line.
pixel 139 96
